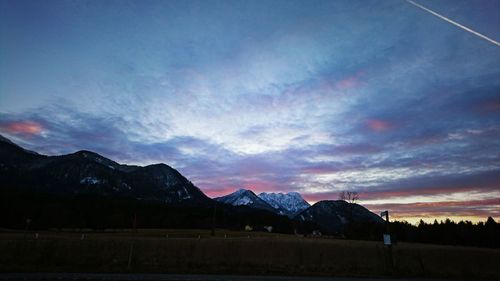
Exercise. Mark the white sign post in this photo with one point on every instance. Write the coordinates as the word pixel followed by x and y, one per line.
pixel 387 235
pixel 388 242
pixel 387 239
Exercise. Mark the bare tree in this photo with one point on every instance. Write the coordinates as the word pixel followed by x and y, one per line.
pixel 349 196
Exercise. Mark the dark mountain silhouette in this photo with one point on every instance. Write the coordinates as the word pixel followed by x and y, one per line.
pixel 333 216
pixel 12 155
pixel 86 172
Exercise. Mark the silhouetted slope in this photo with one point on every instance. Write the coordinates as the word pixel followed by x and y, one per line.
pixel 86 172
pixel 334 215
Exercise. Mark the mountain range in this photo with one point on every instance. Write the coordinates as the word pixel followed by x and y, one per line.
pixel 289 204
pixel 88 173
pixel 244 197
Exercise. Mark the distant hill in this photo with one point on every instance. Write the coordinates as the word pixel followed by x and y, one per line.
pixel 333 215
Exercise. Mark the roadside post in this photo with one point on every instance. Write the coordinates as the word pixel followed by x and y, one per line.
pixel 388 242
pixel 387 234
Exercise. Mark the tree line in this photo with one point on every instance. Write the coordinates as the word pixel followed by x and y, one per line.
pixel 448 232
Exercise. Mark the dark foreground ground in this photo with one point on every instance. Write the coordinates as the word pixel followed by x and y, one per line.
pixel 172 277
pixel 238 253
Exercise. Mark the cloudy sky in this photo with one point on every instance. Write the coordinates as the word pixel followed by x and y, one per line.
pixel 380 97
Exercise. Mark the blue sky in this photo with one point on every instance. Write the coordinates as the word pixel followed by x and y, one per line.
pixel 309 96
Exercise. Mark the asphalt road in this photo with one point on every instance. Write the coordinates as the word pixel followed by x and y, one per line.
pixel 173 277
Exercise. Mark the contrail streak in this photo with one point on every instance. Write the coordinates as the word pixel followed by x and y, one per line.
pixel 454 23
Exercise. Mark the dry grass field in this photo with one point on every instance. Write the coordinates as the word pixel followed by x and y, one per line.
pixel 229 252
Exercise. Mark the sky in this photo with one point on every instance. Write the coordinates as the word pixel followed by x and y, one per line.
pixel 378 97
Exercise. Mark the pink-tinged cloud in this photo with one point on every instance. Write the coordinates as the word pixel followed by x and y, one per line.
pixel 349 82
pixel 378 125
pixel 255 186
pixel 258 185
pixel 213 193
pixel 219 185
pixel 492 106
pixel 25 128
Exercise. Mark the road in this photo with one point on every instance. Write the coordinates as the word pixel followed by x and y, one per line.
pixel 173 277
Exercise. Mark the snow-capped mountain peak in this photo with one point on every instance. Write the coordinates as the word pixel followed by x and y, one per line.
pixel 288 204
pixel 245 197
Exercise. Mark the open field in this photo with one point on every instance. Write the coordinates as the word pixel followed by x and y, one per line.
pixel 67 233
pixel 179 277
pixel 237 253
